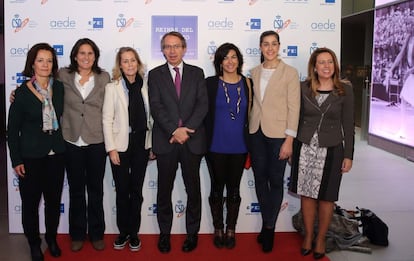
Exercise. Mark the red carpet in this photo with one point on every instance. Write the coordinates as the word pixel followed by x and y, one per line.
pixel 287 247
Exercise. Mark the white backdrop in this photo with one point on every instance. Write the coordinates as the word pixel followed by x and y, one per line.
pixel 303 26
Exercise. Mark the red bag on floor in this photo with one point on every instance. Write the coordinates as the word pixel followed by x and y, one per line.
pixel 248 162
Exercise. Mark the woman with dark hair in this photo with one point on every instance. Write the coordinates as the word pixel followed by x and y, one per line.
pixel 273 125
pixel 37 146
pixel 126 126
pixel 230 97
pixel 82 130
pixel 324 146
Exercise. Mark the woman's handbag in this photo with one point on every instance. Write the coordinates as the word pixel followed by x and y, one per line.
pixel 373 227
pixel 248 162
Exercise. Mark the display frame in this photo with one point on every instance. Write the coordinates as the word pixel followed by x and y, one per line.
pixel 392 88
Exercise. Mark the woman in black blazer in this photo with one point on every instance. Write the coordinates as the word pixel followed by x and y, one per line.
pixel 324 146
pixel 37 146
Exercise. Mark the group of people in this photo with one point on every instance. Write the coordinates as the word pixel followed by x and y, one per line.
pixel 74 117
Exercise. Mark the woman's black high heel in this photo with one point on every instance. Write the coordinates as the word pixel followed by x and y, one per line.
pixel 317 255
pixel 305 252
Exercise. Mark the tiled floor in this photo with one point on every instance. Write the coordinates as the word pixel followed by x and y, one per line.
pixel 379 181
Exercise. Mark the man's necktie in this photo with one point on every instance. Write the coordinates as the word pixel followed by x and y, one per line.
pixel 177 81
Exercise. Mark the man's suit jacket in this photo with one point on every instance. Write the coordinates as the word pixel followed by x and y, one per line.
pixel 83 117
pixel 167 109
pixel 278 113
pixel 115 116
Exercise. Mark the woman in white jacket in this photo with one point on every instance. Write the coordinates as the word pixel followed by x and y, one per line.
pixel 126 126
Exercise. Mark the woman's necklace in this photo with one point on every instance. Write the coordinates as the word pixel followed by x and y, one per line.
pixel 226 93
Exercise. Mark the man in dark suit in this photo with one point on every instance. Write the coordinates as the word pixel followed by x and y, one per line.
pixel 178 135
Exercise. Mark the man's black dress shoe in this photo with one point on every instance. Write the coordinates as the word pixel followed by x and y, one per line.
pixel 305 252
pixel 54 248
pixel 164 245
pixel 190 243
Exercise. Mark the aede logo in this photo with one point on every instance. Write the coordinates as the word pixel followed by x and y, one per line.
pixel 19 51
pixel 63 24
pixel 225 24
pixel 323 26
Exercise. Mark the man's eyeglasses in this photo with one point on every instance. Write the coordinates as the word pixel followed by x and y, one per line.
pixel 171 47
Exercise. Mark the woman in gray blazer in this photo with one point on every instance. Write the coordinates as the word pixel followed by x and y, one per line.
pixel 324 147
pixel 84 83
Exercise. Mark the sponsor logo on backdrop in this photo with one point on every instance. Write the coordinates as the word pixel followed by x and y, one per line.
pixel 253 208
pixel 97 23
pixel 286 182
pixel 19 78
pixel 18 23
pixel 19 51
pixel 252 52
pixel 313 47
pixel 186 25
pixel 302 77
pixel 296 1
pixel 15 182
pixel 225 1
pixel 123 23
pixel 323 26
pixel 17 209
pixel 65 183
pixel 253 24
pixel 220 24
pixel 250 183
pixel 62 208
pixel 152 210
pixel 58 49
pixel 279 24
pixel 179 208
pixel 42 2
pixel 252 2
pixel 290 51
pixel 152 184
pixel 211 49
pixel 113 210
pixel 64 24
pixel 116 50
pixel 328 2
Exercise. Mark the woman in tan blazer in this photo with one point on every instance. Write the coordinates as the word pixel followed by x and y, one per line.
pixel 126 127
pixel 272 127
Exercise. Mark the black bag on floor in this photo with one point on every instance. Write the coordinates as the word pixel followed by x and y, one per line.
pixel 373 227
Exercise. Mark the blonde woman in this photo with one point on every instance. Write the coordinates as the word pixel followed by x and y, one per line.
pixel 126 125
